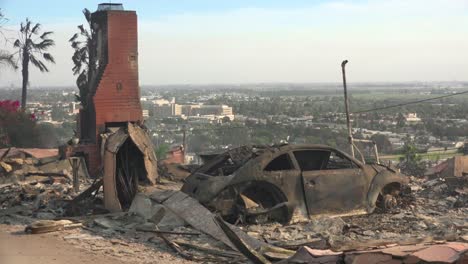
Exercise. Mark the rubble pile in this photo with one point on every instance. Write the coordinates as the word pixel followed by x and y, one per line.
pixel 174 172
pixel 24 164
pixel 163 171
pixel 40 197
pixel 37 196
pixel 435 211
pixel 429 228
pixel 150 222
pixel 36 184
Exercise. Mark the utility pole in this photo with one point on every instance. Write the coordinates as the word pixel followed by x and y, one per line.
pixel 184 144
pixel 184 141
pixel 348 121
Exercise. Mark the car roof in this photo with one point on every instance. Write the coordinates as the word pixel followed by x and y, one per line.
pixel 291 147
pixel 248 152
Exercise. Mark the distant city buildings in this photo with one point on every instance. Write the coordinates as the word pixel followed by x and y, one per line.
pixel 412 118
pixel 145 113
pixel 74 108
pixel 165 108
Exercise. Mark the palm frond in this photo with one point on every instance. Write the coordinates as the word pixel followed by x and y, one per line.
pixel 84 32
pixel 75 44
pixel 27 26
pixel 76 69
pixel 44 45
pixel 17 43
pixel 82 79
pixel 73 38
pixel 39 64
pixel 83 51
pixel 35 29
pixel 48 57
pixel 46 34
pixel 87 15
pixel 7 59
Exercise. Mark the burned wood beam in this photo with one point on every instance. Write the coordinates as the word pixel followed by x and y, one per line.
pixel 48 174
pixel 46 226
pixel 176 247
pixel 245 249
pixel 5 154
pixel 222 253
pixel 71 207
pixel 157 231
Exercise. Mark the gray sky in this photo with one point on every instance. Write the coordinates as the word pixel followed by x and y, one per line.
pixel 384 40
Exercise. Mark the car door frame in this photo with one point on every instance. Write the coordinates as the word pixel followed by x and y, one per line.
pixel 289 181
pixel 319 187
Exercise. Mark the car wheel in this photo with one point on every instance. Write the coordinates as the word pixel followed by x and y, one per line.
pixel 388 197
pixel 261 203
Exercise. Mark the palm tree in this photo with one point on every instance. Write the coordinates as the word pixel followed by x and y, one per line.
pixel 84 58
pixel 31 47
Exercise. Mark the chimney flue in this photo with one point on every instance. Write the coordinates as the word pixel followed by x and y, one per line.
pixel 110 6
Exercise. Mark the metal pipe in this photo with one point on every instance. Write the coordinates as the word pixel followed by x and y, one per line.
pixel 348 121
pixel 377 158
pixel 376 151
pixel 360 154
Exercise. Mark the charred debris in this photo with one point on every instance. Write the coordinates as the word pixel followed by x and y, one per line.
pixel 428 224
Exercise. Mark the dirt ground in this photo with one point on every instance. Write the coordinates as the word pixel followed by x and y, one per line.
pixel 73 247
pixel 16 247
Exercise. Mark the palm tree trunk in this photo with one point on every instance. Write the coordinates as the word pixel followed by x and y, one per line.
pixel 25 73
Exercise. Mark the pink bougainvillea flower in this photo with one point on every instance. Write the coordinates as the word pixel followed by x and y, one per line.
pixel 9 106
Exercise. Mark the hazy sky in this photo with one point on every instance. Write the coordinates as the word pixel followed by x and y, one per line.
pixel 250 41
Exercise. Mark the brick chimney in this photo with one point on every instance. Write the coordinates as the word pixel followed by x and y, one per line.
pixel 117 94
pixel 114 94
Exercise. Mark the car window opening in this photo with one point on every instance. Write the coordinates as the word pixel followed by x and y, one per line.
pixel 338 161
pixel 282 162
pixel 310 160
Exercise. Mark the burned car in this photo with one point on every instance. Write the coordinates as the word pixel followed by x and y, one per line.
pixel 292 183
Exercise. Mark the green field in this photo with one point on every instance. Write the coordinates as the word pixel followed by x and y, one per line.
pixel 432 156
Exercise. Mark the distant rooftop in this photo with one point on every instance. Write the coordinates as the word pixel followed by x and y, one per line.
pixel 110 6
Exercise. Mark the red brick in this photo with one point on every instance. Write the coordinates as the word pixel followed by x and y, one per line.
pixel 111 104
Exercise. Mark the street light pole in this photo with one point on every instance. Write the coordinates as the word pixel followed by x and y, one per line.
pixel 348 121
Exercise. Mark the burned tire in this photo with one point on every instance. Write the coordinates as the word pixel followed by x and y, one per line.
pixel 263 202
pixel 389 197
pixel 389 202
pixel 256 202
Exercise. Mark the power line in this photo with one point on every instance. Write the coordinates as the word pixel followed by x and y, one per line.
pixel 408 103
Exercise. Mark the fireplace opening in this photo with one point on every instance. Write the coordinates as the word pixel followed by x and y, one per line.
pixel 130 171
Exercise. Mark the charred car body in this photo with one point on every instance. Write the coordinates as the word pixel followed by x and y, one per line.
pixel 291 183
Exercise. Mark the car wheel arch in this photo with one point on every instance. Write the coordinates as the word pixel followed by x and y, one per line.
pixel 381 182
